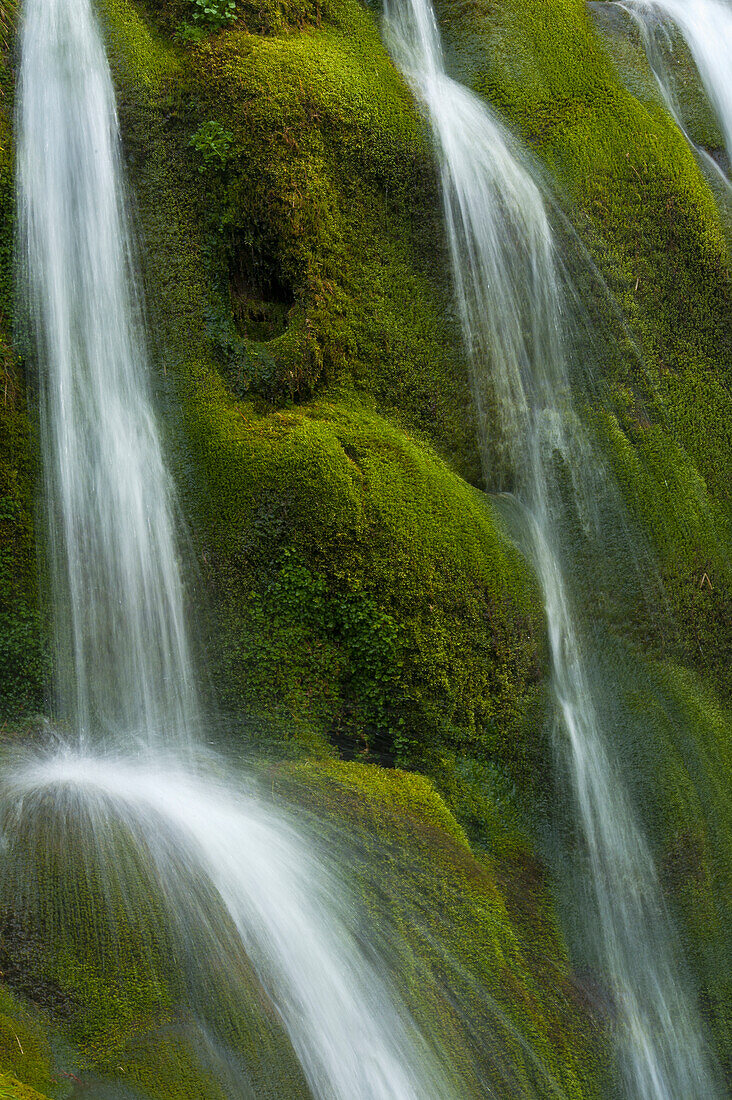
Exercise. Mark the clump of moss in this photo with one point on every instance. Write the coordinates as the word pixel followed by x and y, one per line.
pixel 424 650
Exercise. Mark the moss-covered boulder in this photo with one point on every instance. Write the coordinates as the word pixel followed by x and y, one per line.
pixel 363 594
pixel 137 1005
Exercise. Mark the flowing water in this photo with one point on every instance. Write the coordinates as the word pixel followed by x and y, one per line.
pixel 121 646
pixel 706 26
pixel 513 311
pixel 291 917
pixel 126 685
pixel 125 679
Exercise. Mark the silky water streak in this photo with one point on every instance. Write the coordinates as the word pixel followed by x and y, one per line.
pixel 512 307
pixel 126 682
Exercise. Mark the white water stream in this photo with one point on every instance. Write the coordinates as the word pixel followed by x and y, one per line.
pixel 126 683
pixel 706 26
pixel 121 650
pixel 512 306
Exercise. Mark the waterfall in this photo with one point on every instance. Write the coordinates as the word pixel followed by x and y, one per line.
pixel 290 915
pixel 706 26
pixel 512 306
pixel 126 684
pixel 122 653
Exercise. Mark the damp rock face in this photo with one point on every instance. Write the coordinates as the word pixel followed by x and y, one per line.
pixel 366 618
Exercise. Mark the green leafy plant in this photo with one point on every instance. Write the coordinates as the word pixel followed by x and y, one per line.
pixel 214 144
pixel 214 13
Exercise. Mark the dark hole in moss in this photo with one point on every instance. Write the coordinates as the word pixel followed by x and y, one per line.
pixel 260 301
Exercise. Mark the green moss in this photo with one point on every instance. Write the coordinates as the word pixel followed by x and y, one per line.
pixel 398 791
pixel 23 657
pixel 503 1004
pixel 25 1052
pixel 327 216
pixel 690 534
pixel 363 594
pixel 622 37
pixel 12 1089
pixel 358 542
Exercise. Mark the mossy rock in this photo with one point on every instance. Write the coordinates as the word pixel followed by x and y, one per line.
pixel 321 229
pixel 23 644
pixel 489 983
pixel 362 593
pixel 362 552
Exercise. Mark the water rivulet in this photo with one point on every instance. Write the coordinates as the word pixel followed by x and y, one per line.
pixel 514 318
pixel 106 819
pixel 706 26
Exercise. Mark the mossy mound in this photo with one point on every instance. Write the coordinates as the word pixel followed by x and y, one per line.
pixel 375 575
pixel 363 594
pixel 487 978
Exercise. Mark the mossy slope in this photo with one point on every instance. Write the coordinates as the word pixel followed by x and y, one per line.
pixel 488 982
pixel 362 593
pixel 23 660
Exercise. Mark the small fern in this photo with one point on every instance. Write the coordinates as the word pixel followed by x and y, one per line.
pixel 214 13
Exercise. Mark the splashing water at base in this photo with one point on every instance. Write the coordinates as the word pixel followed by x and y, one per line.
pixel 512 307
pixel 125 675
pixel 290 916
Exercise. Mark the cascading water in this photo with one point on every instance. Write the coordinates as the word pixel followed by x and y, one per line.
pixel 126 680
pixel 121 646
pixel 291 917
pixel 511 305
pixel 706 26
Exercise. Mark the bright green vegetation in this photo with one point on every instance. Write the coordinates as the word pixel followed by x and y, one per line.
pixel 115 988
pixel 364 601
